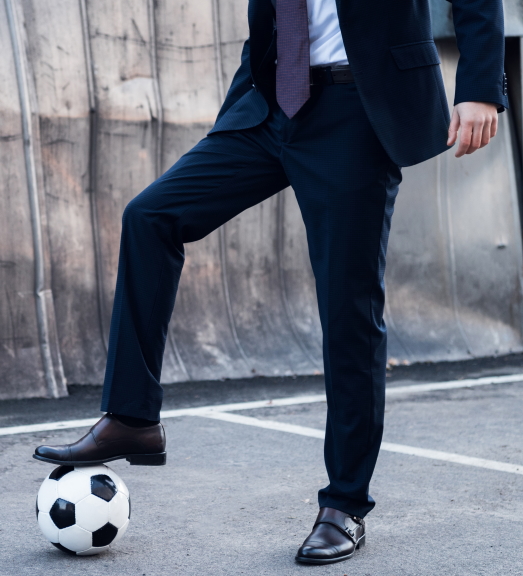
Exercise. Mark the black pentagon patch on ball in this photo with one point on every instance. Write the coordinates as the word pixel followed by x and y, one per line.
pixel 63 548
pixel 104 535
pixel 103 487
pixel 129 517
pixel 60 472
pixel 62 513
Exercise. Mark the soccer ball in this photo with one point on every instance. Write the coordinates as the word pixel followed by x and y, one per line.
pixel 81 510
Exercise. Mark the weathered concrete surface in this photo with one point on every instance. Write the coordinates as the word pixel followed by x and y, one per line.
pixel 238 500
pixel 116 93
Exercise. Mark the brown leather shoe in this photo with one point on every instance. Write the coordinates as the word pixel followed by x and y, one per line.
pixel 335 536
pixel 108 440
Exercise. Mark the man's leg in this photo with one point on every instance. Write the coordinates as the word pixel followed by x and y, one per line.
pixel 224 174
pixel 346 186
pixel 219 178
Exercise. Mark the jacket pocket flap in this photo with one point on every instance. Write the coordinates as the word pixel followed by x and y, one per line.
pixel 413 55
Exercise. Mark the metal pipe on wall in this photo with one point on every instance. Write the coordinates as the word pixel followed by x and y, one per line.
pixel 56 387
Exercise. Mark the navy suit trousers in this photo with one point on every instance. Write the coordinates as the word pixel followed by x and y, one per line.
pixel 346 186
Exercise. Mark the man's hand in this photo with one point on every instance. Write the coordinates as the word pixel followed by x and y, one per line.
pixel 478 122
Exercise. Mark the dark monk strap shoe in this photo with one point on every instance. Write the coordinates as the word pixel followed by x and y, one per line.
pixel 109 439
pixel 335 536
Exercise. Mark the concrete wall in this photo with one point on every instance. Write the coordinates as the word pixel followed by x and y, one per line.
pixel 97 99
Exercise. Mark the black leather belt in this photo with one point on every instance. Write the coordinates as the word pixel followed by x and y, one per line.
pixel 331 75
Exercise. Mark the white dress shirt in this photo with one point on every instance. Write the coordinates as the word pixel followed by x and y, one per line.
pixel 324 33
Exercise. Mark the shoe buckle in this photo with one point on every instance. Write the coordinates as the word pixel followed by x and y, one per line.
pixel 350 534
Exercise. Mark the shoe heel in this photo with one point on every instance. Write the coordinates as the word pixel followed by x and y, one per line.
pixel 147 459
pixel 361 543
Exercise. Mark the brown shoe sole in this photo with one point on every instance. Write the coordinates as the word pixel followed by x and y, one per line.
pixel 158 459
pixel 305 560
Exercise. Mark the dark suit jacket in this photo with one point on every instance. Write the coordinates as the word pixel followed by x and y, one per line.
pixel 396 67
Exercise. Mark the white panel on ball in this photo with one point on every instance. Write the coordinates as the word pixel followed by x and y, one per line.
pixel 47 495
pixel 121 532
pixel 92 513
pixel 91 470
pixel 48 527
pixel 74 486
pixel 119 510
pixel 76 539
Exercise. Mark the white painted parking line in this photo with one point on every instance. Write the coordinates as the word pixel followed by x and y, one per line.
pixel 248 405
pixel 386 446
pixel 456 458
pixel 47 426
pixel 268 424
pixel 293 400
pixel 455 384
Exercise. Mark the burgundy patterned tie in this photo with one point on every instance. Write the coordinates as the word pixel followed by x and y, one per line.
pixel 292 71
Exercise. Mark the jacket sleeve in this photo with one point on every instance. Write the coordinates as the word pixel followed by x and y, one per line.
pixel 480 34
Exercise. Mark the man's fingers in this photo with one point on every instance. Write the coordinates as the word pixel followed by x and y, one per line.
pixel 477 135
pixel 453 128
pixel 485 137
pixel 494 126
pixel 465 140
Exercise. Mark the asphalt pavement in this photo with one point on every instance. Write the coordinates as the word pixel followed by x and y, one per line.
pixel 237 497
